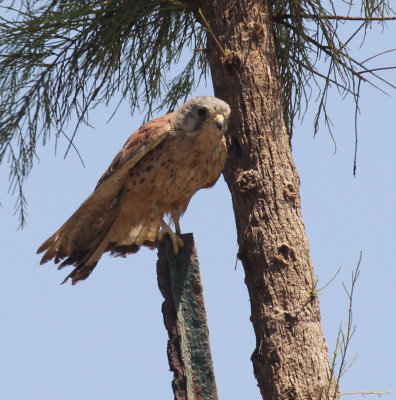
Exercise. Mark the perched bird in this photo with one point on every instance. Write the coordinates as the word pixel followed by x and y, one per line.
pixel 156 173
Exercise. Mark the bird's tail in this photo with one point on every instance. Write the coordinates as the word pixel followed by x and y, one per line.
pixel 111 237
pixel 79 249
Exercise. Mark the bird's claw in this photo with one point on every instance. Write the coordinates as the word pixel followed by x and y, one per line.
pixel 177 242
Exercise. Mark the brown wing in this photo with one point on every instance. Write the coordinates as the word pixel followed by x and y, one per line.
pixel 85 235
pixel 138 145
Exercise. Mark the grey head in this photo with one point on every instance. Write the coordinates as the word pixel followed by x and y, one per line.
pixel 196 112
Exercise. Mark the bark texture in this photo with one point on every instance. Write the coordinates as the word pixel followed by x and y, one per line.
pixel 290 359
pixel 185 320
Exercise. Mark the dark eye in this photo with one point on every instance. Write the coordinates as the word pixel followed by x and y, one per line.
pixel 202 112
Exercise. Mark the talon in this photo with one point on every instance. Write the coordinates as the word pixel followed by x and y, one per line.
pixel 177 242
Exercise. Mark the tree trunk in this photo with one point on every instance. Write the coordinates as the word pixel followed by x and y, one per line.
pixel 290 359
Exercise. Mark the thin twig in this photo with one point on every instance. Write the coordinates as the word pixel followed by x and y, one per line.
pixel 377 55
pixel 371 70
pixel 333 17
pixel 356 128
pixel 366 393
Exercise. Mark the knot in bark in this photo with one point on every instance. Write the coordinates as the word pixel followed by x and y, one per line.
pixel 256 31
pixel 290 192
pixel 232 62
pixel 248 180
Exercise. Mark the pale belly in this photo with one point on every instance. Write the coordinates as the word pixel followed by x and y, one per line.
pixel 166 179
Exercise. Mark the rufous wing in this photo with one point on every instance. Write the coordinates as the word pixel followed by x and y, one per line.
pixel 86 235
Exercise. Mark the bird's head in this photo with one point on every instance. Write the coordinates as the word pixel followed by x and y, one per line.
pixel 203 114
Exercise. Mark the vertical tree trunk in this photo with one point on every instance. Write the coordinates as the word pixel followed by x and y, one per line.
pixel 290 359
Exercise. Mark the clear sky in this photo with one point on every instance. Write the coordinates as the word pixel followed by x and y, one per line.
pixel 104 338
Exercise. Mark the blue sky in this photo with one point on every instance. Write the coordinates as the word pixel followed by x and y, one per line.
pixel 104 338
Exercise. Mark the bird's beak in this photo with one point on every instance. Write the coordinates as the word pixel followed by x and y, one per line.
pixel 219 121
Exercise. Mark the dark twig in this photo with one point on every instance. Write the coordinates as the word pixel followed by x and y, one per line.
pixel 278 18
pixel 356 129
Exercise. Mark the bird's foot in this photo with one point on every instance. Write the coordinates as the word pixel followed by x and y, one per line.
pixel 177 242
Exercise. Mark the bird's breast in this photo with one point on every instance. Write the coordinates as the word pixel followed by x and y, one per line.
pixel 171 174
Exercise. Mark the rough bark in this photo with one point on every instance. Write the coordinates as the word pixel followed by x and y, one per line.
pixel 185 320
pixel 290 359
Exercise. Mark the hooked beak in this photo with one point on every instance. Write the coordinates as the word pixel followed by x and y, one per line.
pixel 219 121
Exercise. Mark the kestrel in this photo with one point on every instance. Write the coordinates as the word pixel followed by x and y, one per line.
pixel 155 174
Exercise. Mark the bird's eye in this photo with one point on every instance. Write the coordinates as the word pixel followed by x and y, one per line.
pixel 202 112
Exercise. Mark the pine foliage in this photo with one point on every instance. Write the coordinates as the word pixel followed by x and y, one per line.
pixel 312 53
pixel 59 59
